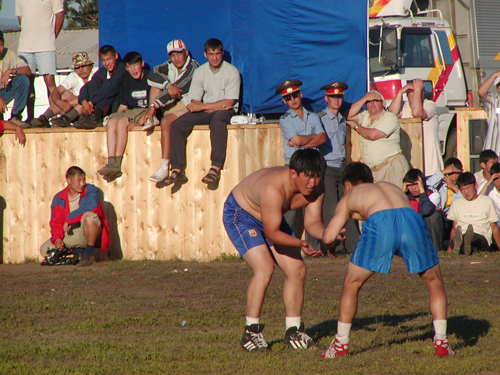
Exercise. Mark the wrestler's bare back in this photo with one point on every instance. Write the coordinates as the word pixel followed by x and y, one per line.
pixel 269 183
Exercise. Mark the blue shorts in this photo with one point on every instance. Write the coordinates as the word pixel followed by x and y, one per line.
pixel 245 231
pixel 399 231
pixel 45 62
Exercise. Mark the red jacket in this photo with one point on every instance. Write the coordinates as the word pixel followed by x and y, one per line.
pixel 1 126
pixel 89 201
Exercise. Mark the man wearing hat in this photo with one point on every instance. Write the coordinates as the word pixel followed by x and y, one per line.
pixel 334 153
pixel 379 139
pixel 491 104
pixel 170 84
pixel 299 128
pixel 14 82
pixel 65 97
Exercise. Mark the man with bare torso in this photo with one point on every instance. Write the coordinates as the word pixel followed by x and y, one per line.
pixel 391 227
pixel 253 218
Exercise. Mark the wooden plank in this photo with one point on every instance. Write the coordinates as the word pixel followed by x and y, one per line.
pixel 463 117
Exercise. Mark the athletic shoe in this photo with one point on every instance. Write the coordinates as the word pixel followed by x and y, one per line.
pixel 17 121
pixel 252 339
pixel 297 338
pixel 336 349
pixel 41 122
pixel 160 174
pixel 108 169
pixel 85 261
pixel 442 348
pixel 150 124
pixel 62 121
pixel 456 240
pixel 469 233
pixel 112 177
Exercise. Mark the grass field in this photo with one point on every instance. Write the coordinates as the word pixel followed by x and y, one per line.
pixel 151 317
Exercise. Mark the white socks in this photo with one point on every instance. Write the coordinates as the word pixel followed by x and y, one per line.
pixel 250 321
pixel 164 162
pixel 292 321
pixel 343 330
pixel 440 329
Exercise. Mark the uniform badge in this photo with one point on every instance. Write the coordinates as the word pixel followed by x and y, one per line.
pixel 252 232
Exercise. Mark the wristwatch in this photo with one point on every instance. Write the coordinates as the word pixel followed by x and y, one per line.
pixel 356 127
pixel 15 71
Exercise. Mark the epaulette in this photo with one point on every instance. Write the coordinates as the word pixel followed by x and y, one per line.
pixel 321 114
pixel 285 115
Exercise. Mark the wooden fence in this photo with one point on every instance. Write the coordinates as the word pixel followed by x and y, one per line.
pixel 147 221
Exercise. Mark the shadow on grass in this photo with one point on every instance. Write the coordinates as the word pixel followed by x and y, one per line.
pixel 467 330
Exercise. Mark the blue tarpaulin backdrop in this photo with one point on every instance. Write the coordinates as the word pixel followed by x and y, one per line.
pixel 269 41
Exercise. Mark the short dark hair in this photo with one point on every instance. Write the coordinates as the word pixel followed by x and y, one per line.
pixel 487 155
pixel 213 44
pixel 74 170
pixel 413 175
pixel 495 168
pixel 455 162
pixel 309 161
pixel 466 178
pixel 357 173
pixel 132 58
pixel 104 50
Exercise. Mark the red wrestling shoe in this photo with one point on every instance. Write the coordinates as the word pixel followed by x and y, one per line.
pixel 442 348
pixel 335 350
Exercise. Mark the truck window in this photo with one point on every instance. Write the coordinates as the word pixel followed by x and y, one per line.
pixel 374 42
pixel 445 47
pixel 416 48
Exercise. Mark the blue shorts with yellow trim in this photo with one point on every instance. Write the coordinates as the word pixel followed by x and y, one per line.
pixel 245 231
pixel 399 231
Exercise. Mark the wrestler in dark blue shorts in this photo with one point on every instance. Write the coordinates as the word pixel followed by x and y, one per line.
pixel 399 231
pixel 243 229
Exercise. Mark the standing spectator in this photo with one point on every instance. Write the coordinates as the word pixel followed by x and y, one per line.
pixel 486 159
pixel 65 96
pixel 491 104
pixel 213 99
pixel 379 139
pixel 170 84
pixel 14 82
pixel 99 97
pixel 41 21
pixel 419 107
pixel 299 128
pixel 334 153
pixel 133 105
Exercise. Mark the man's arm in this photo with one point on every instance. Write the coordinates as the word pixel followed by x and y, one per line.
pixel 371 134
pixel 482 91
pixel 311 140
pixel 395 106
pixel 313 223
pixel 416 105
pixel 339 219
pixel 59 22
pixel 20 136
pixel 55 96
pixel 223 104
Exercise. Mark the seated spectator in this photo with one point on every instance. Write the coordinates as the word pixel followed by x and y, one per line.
pixel 65 97
pixel 486 159
pixel 133 105
pixel 422 203
pixel 419 107
pixel 213 99
pixel 474 219
pixel 170 84
pixel 494 193
pixel 491 103
pixel 99 96
pixel 444 183
pixel 14 83
pixel 19 133
pixel 77 219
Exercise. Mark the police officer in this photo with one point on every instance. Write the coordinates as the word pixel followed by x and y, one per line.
pixel 299 128
pixel 334 153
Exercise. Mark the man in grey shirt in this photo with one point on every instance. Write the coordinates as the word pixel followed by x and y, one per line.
pixel 213 99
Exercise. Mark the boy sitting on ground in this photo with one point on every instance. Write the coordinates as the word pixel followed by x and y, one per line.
pixel 133 104
pixel 424 203
pixel 65 97
pixel 474 219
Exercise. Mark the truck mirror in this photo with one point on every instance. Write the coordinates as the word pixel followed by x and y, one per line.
pixel 389 46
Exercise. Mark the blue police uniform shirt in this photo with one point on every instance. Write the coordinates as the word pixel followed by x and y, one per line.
pixel 335 128
pixel 291 124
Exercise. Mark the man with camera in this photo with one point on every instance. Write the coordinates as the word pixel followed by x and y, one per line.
pixel 77 219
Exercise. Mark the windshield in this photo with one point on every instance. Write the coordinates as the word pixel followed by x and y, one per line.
pixel 374 42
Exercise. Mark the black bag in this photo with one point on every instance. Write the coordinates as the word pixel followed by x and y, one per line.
pixel 56 257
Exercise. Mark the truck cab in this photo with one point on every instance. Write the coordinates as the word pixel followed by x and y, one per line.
pixel 405 47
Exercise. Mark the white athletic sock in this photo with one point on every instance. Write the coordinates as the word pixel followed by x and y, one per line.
pixel 292 321
pixel 343 330
pixel 250 321
pixel 164 162
pixel 440 329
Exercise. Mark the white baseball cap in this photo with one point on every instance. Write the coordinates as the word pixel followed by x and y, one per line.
pixel 175 45
pixel 496 81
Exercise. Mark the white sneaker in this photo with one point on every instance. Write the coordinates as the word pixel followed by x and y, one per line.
pixel 160 174
pixel 150 124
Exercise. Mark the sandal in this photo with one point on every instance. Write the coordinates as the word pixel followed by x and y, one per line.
pixel 212 176
pixel 176 176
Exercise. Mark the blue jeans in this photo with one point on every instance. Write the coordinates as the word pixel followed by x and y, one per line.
pixel 17 89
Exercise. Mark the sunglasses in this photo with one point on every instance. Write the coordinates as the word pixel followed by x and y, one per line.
pixel 374 100
pixel 289 97
pixel 82 66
